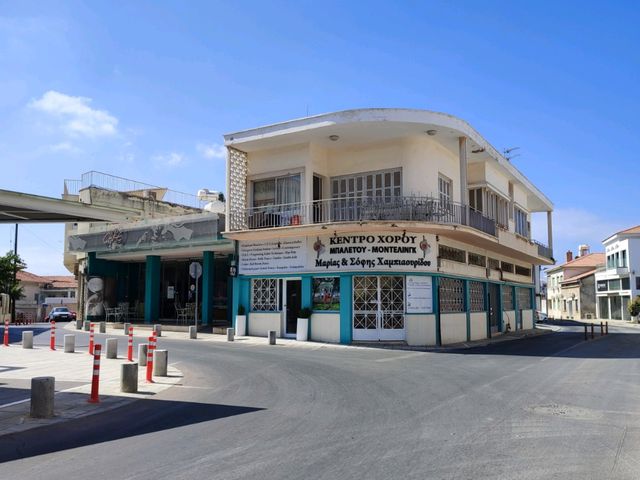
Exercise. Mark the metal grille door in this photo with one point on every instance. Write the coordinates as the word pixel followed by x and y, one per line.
pixel 378 308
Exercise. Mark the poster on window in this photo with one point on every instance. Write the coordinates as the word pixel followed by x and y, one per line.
pixel 419 294
pixel 326 293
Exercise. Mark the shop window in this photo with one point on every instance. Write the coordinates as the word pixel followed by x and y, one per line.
pixel 507 298
pixel 326 293
pixel 523 271
pixel 524 298
pixel 479 260
pixel 507 267
pixel 451 295
pixel 476 297
pixel 450 253
pixel 264 295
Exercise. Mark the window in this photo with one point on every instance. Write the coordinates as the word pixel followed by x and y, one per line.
pixel 479 260
pixel 601 285
pixel 523 271
pixel 444 189
pixel 507 267
pixel 524 298
pixel 451 295
pixel 385 184
pixel 507 298
pixel 494 264
pixel 475 199
pixel 637 283
pixel 450 253
pixel 326 293
pixel 623 259
pixel 521 223
pixel 264 295
pixel 476 296
pixel 614 284
pixel 276 191
pixel 625 283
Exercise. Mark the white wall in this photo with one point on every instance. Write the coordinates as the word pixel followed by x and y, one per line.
pixel 453 327
pixel 509 318
pixel 527 319
pixel 478 329
pixel 325 327
pixel 420 329
pixel 258 324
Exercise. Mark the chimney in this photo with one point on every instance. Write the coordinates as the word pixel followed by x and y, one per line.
pixel 584 250
pixel 569 255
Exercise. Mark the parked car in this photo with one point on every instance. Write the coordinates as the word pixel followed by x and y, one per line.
pixel 60 313
pixel 541 317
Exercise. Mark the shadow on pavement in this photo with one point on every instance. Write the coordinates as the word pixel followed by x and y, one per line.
pixel 139 418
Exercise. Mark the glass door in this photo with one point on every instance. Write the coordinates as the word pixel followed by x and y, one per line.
pixel 378 308
pixel 494 308
pixel 292 304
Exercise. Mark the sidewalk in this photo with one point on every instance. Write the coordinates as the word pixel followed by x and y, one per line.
pixel 72 372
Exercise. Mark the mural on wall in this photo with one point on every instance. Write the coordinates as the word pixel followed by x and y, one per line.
pixel 94 303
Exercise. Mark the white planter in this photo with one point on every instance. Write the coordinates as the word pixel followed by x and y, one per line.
pixel 241 325
pixel 302 332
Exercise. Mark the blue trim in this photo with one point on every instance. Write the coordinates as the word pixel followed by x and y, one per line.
pixel 436 309
pixel 515 308
pixel 306 299
pixel 467 308
pixel 152 289
pixel 208 282
pixel 346 309
pixel 500 319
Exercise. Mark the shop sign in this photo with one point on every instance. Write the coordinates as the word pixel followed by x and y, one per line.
pixel 601 285
pixel 271 257
pixel 419 293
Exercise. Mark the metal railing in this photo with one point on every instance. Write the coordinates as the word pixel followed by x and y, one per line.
pixel 71 187
pixel 120 184
pixel 543 250
pixel 362 209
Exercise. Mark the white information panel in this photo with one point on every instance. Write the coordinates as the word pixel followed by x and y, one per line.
pixel 270 257
pixel 419 293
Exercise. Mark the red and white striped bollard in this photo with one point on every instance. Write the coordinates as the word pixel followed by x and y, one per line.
pixel 52 341
pixel 130 346
pixel 95 379
pixel 91 339
pixel 150 348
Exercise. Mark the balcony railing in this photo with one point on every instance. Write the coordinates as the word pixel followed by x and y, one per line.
pixel 543 250
pixel 363 209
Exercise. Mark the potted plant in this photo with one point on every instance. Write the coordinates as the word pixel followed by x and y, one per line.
pixel 302 331
pixel 241 322
pixel 634 309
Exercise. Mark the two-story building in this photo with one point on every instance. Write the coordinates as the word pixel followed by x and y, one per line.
pixel 617 282
pixel 390 224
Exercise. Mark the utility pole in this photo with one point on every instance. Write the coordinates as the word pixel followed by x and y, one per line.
pixel 15 272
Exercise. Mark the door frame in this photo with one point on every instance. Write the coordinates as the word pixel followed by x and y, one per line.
pixel 381 334
pixel 498 307
pixel 283 318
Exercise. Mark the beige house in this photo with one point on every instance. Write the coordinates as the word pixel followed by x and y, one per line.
pixel 43 292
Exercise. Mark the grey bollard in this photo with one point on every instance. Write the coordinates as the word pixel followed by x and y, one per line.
pixel 158 329
pixel 230 334
pixel 160 361
pixel 87 325
pixel 193 332
pixel 112 348
pixel 27 339
pixel 272 337
pixel 69 343
pixel 103 327
pixel 42 390
pixel 142 354
pixel 79 324
pixel 126 328
pixel 129 377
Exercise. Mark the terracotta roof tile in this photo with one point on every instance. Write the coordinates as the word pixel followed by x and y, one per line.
pixel 24 276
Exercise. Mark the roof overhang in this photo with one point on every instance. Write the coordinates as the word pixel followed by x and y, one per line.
pixel 361 126
pixel 18 207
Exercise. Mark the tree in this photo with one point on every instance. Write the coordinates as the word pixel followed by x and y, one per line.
pixel 8 264
pixel 634 307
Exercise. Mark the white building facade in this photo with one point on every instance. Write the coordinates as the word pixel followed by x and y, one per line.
pixel 390 224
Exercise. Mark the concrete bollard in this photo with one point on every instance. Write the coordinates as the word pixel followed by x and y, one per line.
pixel 193 332
pixel 142 354
pixel 129 377
pixel 27 339
pixel 79 324
pixel 160 362
pixel 112 348
pixel 42 390
pixel 103 327
pixel 272 337
pixel 87 325
pixel 158 329
pixel 230 334
pixel 69 343
pixel 126 328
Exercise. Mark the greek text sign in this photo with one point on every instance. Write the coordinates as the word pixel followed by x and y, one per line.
pixel 419 293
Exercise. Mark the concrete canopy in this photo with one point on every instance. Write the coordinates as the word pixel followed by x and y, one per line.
pixel 18 207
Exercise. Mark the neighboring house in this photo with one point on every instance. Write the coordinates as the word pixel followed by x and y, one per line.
pixel 43 292
pixel 617 282
pixel 571 286
pixel 391 224
pixel 138 270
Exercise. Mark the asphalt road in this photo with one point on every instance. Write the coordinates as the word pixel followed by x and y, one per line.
pixel 552 406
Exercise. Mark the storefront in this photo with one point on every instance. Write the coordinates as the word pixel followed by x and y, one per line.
pixel 375 286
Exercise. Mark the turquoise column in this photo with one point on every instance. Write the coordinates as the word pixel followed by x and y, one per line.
pixel 467 308
pixel 152 289
pixel 488 299
pixel 234 300
pixel 346 309
pixel 436 309
pixel 306 297
pixel 515 308
pixel 208 283
pixel 500 323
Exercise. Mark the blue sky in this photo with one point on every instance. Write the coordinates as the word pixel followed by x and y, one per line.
pixel 145 90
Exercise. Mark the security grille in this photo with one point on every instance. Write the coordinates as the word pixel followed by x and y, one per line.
pixel 476 297
pixel 524 298
pixel 392 302
pixel 450 253
pixel 479 260
pixel 507 298
pixel 264 294
pixel 378 304
pixel 451 295
pixel 524 271
pixel 365 302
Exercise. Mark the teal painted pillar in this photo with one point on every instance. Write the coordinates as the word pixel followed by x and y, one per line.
pixel 234 299
pixel 515 307
pixel 436 309
pixel 467 308
pixel 208 283
pixel 500 323
pixel 306 296
pixel 346 309
pixel 152 289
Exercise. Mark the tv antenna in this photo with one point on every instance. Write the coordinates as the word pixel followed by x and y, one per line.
pixel 508 153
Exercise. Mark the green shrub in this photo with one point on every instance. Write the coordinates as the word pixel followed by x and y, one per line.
pixel 241 310
pixel 634 307
pixel 305 313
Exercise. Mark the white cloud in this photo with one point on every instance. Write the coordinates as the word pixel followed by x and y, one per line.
pixel 76 114
pixel 172 159
pixel 212 150
pixel 64 147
